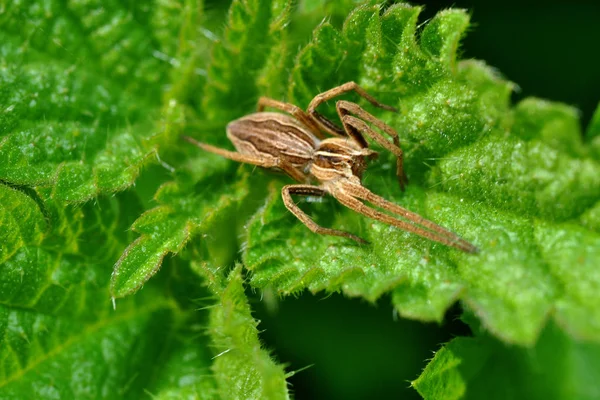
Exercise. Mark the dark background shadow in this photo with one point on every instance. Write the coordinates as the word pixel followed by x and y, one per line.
pixel 550 49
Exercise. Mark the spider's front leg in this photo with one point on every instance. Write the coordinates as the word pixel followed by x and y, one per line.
pixel 309 190
pixel 356 127
pixel 353 118
pixel 321 98
pixel 350 194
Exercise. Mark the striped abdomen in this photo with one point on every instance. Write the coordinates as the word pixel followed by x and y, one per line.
pixel 269 134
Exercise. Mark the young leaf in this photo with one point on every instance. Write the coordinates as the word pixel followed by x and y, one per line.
pixel 182 213
pixel 242 369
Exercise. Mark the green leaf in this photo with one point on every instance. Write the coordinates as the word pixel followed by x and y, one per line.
pixel 81 93
pixel 167 228
pixel 182 213
pixel 22 222
pixel 183 367
pixel 527 177
pixel 59 331
pixel 558 367
pixel 90 95
pixel 593 134
pixel 557 125
pixel 242 369
pixel 185 374
pixel 489 175
pixel 44 272
pixel 571 253
pixel 77 96
pixel 253 29
pixel 35 346
pixel 591 218
pixel 593 129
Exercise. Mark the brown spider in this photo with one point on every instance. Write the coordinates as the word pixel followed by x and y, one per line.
pixel 295 144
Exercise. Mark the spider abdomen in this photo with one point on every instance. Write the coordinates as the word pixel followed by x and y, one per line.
pixel 273 134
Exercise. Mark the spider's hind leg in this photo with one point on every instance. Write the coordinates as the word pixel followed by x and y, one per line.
pixel 260 161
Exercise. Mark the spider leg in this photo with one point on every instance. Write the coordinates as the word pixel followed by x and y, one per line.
pixel 309 190
pixel 293 110
pixel 355 127
pixel 348 194
pixel 325 123
pixel 261 161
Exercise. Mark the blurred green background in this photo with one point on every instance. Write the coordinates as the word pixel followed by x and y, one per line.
pixel 358 350
pixel 550 49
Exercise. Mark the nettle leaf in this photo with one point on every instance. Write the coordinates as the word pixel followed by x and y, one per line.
pixel 81 93
pixel 60 335
pixel 593 134
pixel 202 203
pixel 41 268
pixel 49 355
pixel 80 84
pixel 183 370
pixel 471 368
pixel 253 29
pixel 512 181
pixel 91 92
pixel 242 369
pixel 185 210
pixel 186 374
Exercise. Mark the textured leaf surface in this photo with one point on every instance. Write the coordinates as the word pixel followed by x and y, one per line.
pixel 168 227
pixel 253 29
pixel 242 369
pixel 81 89
pixel 78 91
pixel 183 369
pixel 36 345
pixel 185 375
pixel 93 99
pixel 22 222
pixel 59 332
pixel 502 179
